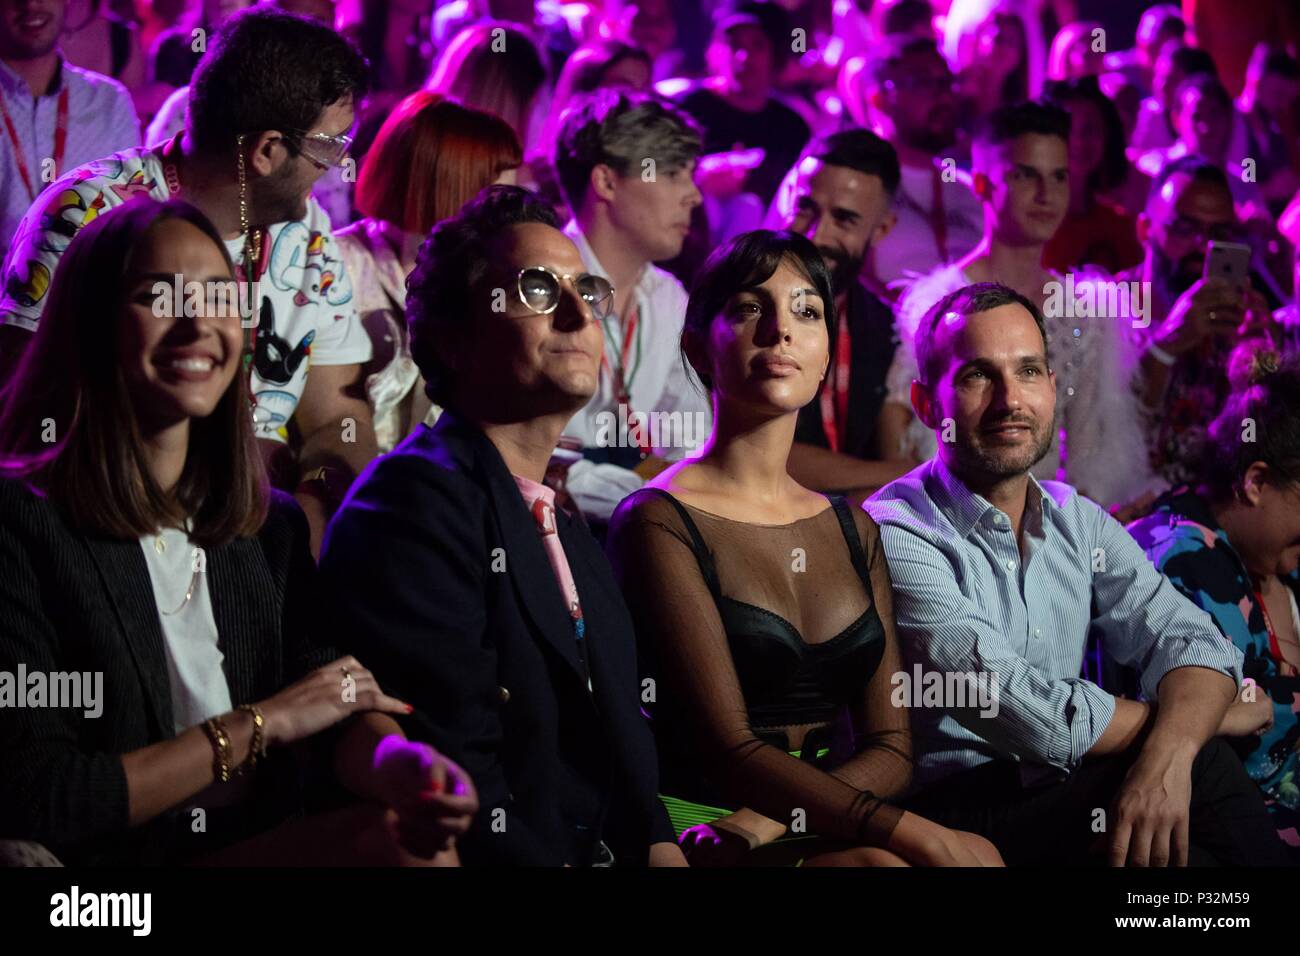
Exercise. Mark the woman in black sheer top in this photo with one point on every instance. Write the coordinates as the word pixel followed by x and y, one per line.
pixel 763 609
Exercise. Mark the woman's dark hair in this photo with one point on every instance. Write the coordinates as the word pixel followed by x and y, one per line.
pixel 457 254
pixel 495 66
pixel 1113 168
pixel 746 262
pixel 69 427
pixel 270 70
pixel 1260 422
pixel 1015 87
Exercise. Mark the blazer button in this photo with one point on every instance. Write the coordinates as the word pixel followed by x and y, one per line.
pixel 504 694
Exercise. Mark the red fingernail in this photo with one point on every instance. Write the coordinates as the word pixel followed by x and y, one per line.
pixel 410 709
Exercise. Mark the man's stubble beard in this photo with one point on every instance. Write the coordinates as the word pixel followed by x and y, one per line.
pixel 976 460
pixel 277 199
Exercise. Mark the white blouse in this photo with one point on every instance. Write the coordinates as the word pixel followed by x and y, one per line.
pixel 198 682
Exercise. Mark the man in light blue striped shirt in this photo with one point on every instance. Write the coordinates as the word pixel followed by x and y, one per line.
pixel 998 579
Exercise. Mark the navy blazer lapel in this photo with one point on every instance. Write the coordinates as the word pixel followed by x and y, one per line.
pixel 125 576
pixel 526 562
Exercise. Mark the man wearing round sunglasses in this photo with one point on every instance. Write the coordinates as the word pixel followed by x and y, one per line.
pixel 248 157
pixel 1194 321
pixel 626 162
pixel 449 563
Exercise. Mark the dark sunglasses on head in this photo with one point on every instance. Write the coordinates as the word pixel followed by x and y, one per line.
pixel 539 290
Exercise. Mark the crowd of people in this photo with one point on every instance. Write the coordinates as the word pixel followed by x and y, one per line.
pixel 374 491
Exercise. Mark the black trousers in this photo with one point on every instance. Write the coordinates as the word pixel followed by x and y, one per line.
pixel 1056 823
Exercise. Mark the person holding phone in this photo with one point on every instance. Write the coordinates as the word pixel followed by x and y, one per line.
pixel 1194 317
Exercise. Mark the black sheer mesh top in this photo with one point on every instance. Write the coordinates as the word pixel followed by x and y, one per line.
pixel 764 639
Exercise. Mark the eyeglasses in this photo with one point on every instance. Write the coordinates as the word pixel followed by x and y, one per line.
pixel 539 291
pixel 1186 228
pixel 321 148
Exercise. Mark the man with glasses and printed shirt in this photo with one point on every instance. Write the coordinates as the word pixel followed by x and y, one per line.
pixel 248 158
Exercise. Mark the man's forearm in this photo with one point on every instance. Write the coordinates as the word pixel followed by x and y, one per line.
pixel 348 446
pixel 1191 706
pixel 825 470
pixel 1127 725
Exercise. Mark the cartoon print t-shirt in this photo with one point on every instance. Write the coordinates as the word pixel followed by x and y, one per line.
pixel 305 311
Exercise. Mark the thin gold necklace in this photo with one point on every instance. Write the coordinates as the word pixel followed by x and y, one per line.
pixel 160 546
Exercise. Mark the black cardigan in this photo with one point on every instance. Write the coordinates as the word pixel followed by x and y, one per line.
pixel 75 602
pixel 441 585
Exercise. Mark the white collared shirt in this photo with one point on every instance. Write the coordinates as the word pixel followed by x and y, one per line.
pixel 658 384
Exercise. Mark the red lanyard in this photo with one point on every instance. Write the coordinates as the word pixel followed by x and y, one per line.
pixel 619 374
pixel 835 396
pixel 60 141
pixel 1282 663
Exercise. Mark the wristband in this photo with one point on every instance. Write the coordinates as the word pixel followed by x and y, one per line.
pixel 1161 356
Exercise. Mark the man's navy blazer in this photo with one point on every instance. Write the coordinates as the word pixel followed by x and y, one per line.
pixel 439 583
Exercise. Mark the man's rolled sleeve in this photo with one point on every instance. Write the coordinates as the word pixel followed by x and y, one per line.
pixel 1146 621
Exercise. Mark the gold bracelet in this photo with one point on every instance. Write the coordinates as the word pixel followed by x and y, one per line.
pixel 257 748
pixel 220 741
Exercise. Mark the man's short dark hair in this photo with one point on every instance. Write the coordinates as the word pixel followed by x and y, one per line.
pixel 887 60
pixel 269 70
pixel 769 16
pixel 620 129
pixel 906 16
pixel 861 150
pixel 1198 169
pixel 452 260
pixel 966 301
pixel 1010 122
pixel 1208 85
pixel 1190 59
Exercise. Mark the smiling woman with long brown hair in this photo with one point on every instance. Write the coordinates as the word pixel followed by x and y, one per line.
pixel 144 555
pixel 764 609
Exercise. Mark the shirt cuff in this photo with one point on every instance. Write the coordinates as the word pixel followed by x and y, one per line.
pixel 1090 710
pixel 18 320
